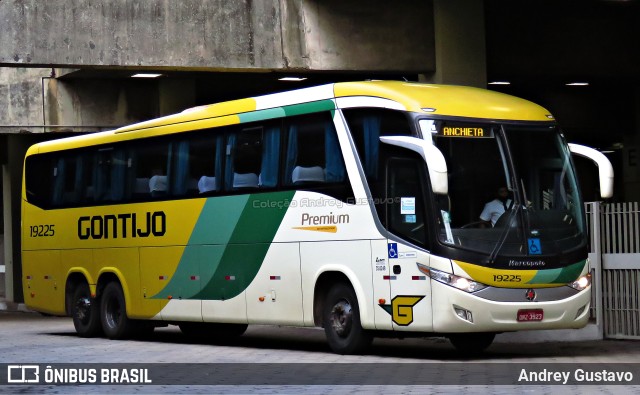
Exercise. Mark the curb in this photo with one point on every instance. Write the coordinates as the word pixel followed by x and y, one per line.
pixel 11 307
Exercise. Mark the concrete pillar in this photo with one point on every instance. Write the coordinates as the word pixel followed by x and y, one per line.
pixel 460 43
pixel 21 103
pixel 7 275
pixel 17 145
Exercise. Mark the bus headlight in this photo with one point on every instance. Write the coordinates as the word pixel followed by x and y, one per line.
pixel 461 283
pixel 581 283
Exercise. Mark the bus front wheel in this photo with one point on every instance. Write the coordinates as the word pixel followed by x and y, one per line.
pixel 115 323
pixel 85 311
pixel 341 320
pixel 471 343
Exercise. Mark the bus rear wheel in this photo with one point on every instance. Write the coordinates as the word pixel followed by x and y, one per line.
pixel 115 323
pixel 471 343
pixel 341 320
pixel 85 311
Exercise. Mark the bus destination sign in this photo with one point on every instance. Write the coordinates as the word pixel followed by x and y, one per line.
pixel 465 130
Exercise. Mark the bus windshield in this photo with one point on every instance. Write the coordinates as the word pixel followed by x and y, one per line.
pixel 512 190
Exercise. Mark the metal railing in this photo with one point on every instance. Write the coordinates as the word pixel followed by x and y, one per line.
pixel 615 256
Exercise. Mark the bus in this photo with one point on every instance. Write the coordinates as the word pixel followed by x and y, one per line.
pixel 350 206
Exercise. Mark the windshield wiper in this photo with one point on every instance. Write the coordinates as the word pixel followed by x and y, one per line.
pixel 505 232
pixel 517 211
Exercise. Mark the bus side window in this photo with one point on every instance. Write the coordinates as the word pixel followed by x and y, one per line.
pixel 39 179
pixel 64 176
pixel 366 126
pixel 406 200
pixel 150 168
pixel 270 164
pixel 243 158
pixel 313 153
pixel 180 179
pixel 109 174
pixel 205 164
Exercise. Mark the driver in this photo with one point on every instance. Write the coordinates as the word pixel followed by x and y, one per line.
pixel 495 208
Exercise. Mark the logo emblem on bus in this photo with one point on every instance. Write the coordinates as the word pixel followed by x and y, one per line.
pixel 401 308
pixel 530 295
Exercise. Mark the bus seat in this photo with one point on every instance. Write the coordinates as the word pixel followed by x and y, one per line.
pixel 307 174
pixel 245 180
pixel 158 185
pixel 206 184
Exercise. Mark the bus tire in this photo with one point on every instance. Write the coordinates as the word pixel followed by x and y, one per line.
pixel 341 321
pixel 471 343
pixel 85 312
pixel 113 313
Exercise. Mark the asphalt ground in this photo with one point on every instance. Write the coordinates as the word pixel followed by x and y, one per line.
pixel 174 359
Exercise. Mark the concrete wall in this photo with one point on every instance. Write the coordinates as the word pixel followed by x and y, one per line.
pixel 460 49
pixel 32 101
pixel 21 99
pixel 372 35
pixel 99 104
pixel 218 34
pixel 167 33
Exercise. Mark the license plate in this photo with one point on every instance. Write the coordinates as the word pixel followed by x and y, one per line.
pixel 530 315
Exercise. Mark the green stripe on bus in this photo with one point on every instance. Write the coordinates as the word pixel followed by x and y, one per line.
pixel 205 248
pixel 287 111
pixel 547 276
pixel 218 220
pixel 261 115
pixel 306 108
pixel 559 276
pixel 248 246
pixel 571 273
pixel 227 246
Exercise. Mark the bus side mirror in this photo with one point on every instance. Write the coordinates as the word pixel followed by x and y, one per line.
pixel 432 156
pixel 605 169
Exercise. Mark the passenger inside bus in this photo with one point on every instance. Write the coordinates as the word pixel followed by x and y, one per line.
pixel 494 209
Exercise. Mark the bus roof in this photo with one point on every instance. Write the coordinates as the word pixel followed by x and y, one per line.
pixel 440 100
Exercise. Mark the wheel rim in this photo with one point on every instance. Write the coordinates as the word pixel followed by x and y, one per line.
pixel 341 318
pixel 113 313
pixel 83 309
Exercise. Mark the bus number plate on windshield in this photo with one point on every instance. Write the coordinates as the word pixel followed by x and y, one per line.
pixel 530 315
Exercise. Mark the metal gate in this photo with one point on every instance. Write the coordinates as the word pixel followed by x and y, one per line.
pixel 615 257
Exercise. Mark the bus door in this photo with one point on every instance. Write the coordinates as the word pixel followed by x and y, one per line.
pixel 409 305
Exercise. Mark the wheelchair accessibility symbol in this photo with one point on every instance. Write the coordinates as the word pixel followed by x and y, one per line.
pixel 393 250
pixel 534 247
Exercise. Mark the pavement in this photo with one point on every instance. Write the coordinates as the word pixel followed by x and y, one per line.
pixel 30 338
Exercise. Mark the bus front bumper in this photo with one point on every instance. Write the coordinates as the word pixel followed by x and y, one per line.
pixel 457 311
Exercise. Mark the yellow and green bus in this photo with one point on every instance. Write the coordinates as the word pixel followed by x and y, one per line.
pixel 350 206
